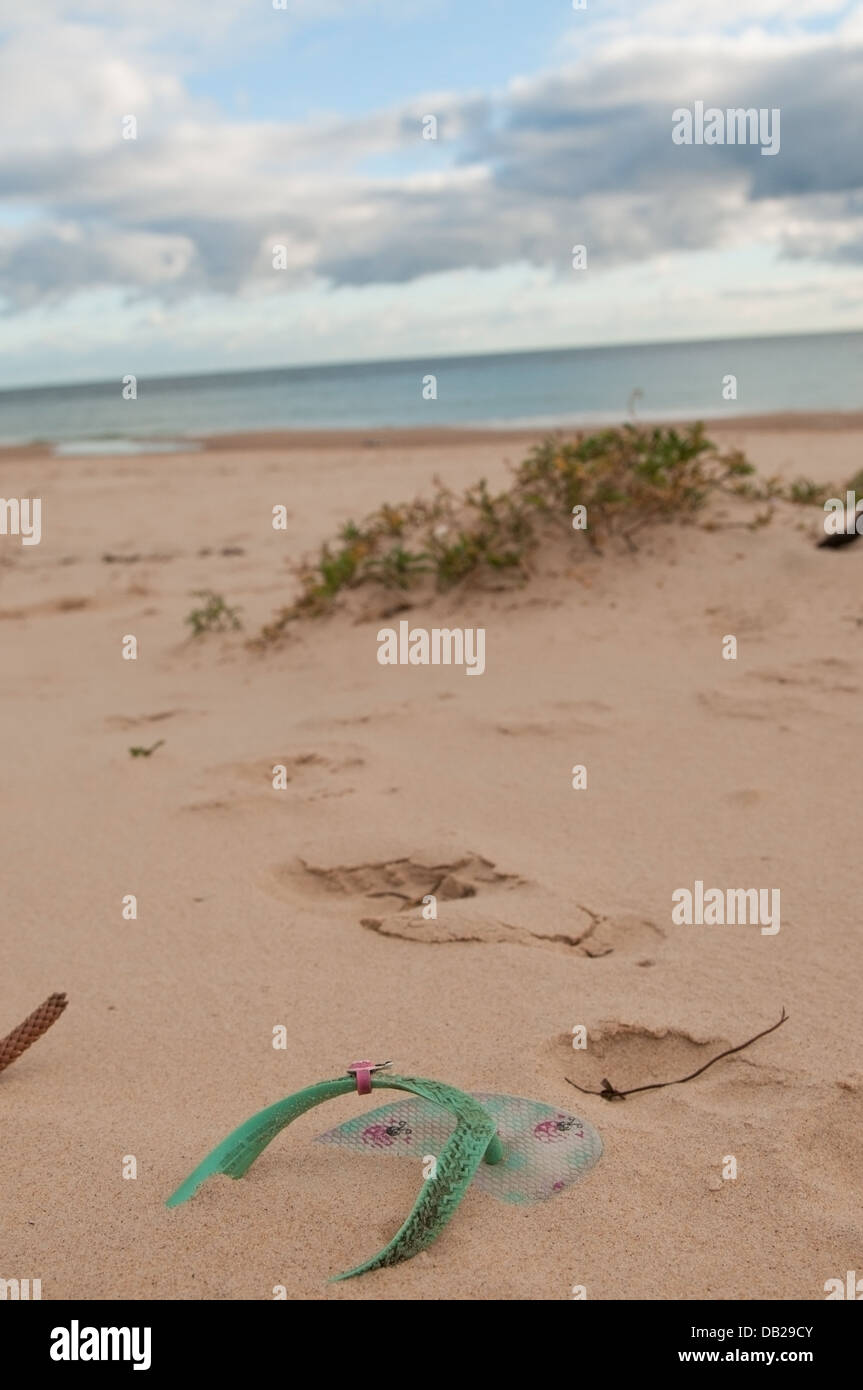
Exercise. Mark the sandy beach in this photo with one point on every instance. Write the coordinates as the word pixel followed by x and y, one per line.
pixel 259 907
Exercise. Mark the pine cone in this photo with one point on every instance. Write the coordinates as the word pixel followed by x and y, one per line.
pixel 32 1028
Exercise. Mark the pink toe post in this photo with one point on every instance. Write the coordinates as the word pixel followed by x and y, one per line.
pixel 362 1074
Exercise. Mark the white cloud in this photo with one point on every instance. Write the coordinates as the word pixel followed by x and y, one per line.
pixel 191 209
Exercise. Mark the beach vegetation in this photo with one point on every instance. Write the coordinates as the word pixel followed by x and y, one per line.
pixel 622 479
pixel 805 493
pixel 142 752
pixel 214 615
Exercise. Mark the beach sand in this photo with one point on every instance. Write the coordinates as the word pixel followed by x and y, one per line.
pixel 251 901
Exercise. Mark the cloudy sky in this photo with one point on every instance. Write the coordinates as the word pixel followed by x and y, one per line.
pixel 301 126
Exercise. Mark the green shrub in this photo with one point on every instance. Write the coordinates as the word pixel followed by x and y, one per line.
pixel 214 616
pixel 626 478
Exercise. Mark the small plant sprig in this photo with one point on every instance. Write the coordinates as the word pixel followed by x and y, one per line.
pixel 139 752
pixel 214 616
pixel 805 493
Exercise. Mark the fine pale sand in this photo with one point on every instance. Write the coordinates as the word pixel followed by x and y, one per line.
pixel 251 901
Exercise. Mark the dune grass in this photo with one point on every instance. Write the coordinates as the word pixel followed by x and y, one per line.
pixel 214 615
pixel 610 484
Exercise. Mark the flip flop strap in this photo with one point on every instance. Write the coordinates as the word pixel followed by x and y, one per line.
pixel 473 1140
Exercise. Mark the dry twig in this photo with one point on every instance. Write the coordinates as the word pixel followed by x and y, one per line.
pixel 610 1092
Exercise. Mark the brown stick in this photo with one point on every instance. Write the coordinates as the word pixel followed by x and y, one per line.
pixel 32 1028
pixel 610 1092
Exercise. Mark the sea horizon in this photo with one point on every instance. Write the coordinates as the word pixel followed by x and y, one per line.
pixel 542 388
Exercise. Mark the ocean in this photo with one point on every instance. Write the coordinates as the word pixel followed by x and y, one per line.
pixel 578 386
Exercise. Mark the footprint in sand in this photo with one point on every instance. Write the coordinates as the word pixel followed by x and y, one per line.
pixel 631 1055
pixel 404 881
pixel 306 772
pixel 585 933
pixel 467 928
pixel 402 885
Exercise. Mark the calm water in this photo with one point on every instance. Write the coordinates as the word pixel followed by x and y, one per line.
pixel 570 386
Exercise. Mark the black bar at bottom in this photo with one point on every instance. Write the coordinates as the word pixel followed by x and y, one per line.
pixel 66 1338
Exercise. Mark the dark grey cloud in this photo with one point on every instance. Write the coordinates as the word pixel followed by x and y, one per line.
pixel 582 155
